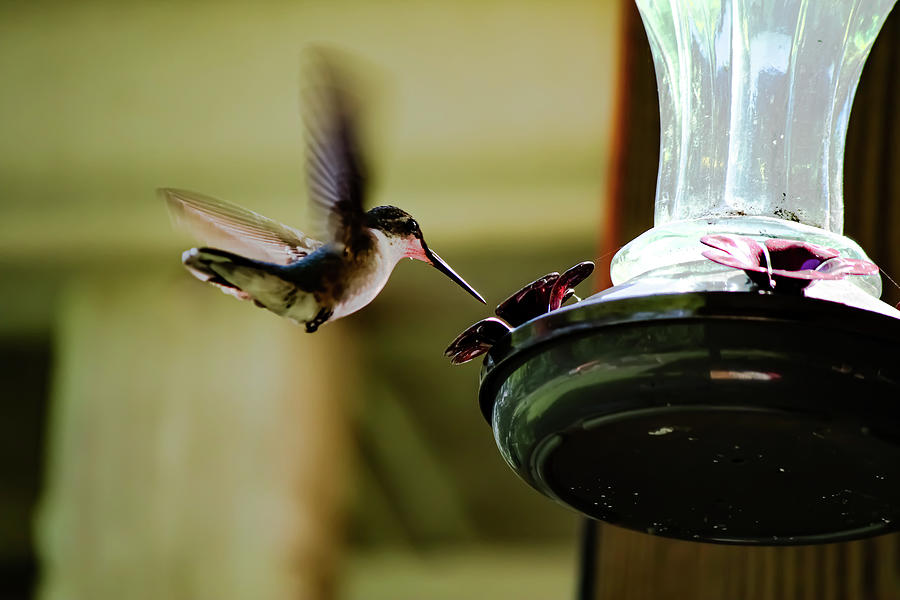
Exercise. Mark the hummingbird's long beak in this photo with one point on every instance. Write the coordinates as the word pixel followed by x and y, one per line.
pixel 438 263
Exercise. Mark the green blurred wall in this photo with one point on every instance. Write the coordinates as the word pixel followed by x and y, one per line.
pixel 491 108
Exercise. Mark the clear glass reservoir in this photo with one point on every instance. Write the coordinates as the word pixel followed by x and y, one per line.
pixel 755 98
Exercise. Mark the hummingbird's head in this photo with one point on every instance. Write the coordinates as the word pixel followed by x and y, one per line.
pixel 402 231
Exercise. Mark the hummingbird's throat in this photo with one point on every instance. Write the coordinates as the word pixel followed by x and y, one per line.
pixel 413 249
pixel 394 248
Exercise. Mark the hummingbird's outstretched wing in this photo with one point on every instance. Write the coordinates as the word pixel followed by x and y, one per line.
pixel 230 227
pixel 335 167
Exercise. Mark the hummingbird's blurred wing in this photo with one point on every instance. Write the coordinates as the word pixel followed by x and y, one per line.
pixel 335 169
pixel 230 227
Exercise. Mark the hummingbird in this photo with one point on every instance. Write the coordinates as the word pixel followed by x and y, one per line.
pixel 277 267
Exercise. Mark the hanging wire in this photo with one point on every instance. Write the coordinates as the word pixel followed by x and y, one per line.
pixel 891 279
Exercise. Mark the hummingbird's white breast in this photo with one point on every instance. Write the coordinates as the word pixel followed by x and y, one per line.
pixel 372 274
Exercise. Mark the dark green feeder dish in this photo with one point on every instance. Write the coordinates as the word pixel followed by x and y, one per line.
pixel 730 417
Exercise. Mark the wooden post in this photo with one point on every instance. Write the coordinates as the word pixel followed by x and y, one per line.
pixel 635 566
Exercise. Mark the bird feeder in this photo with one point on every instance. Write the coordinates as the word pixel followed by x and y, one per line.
pixel 715 393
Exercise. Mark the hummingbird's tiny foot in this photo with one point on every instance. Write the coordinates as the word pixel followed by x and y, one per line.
pixel 323 315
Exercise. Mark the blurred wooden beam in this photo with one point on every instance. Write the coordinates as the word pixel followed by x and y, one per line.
pixel 872 159
pixel 634 145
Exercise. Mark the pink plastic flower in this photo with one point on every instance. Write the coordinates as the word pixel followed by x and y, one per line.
pixel 541 296
pixel 781 265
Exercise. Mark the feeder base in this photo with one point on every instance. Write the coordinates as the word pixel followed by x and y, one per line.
pixel 725 417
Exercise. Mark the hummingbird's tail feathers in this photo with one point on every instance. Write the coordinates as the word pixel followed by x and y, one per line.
pixel 241 277
pixel 226 225
pixel 198 262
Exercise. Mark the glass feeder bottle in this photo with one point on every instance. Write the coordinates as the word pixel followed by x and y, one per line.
pixel 755 98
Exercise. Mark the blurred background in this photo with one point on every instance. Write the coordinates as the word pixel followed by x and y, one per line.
pixel 159 439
